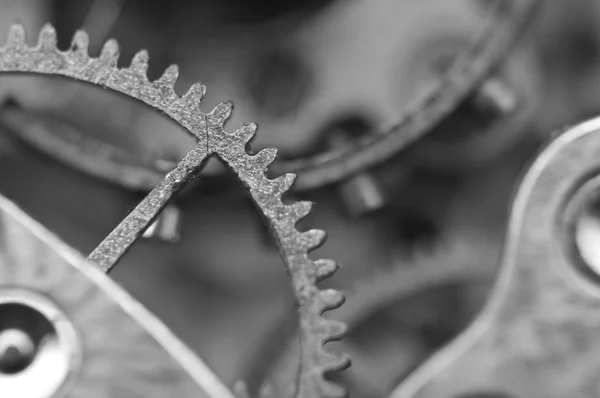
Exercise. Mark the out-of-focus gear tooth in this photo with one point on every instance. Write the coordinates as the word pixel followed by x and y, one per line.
pixel 80 42
pixel 222 112
pixel 47 38
pixel 332 390
pixel 167 227
pixel 169 77
pixel 139 63
pixel 16 36
pixel 324 268
pixel 110 52
pixel 330 299
pixel 335 330
pixel 334 362
pixel 313 238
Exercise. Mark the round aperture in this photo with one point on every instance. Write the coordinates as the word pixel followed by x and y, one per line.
pixel 581 231
pixel 39 348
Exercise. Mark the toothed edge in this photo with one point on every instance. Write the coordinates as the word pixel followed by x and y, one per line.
pixel 76 63
pixel 315 331
pixel 17 37
pixel 47 38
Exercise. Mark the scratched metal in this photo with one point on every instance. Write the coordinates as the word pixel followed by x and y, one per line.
pixel 213 140
pixel 125 351
pixel 538 335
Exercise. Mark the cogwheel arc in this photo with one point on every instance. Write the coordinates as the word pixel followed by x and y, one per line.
pixel 75 63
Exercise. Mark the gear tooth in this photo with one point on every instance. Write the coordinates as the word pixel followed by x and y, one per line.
pixel 222 111
pixel 245 134
pixel 169 77
pixel 313 238
pixel 80 42
pixel 336 330
pixel 16 36
pixel 195 93
pixel 330 362
pixel 324 268
pixel 286 181
pixel 301 209
pixel 110 51
pixel 47 38
pixel 139 63
pixel 333 390
pixel 329 299
pixel 266 156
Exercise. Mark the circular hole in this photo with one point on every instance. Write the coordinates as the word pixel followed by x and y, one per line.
pixel 587 235
pixel 38 345
pixel 23 330
pixel 17 351
pixel 582 221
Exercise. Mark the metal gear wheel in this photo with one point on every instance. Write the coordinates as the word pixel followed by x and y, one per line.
pixel 208 129
pixel 468 71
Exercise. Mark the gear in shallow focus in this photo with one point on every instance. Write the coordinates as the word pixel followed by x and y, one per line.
pixel 208 128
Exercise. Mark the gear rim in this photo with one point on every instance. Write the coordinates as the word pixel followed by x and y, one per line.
pixel 470 67
pixel 75 63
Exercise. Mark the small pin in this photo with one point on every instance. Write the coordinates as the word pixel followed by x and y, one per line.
pixel 167 227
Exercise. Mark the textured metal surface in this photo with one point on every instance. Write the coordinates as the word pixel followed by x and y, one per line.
pixel 537 336
pixel 213 140
pixel 125 350
pixel 369 91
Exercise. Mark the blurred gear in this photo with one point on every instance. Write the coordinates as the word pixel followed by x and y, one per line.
pixel 338 31
pixel 207 128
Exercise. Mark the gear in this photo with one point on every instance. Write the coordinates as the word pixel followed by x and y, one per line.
pixel 470 67
pixel 462 256
pixel 208 129
pixel 464 250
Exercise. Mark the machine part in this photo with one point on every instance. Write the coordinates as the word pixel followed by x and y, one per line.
pixel 536 336
pixel 37 342
pixel 360 193
pixel 463 250
pixel 208 130
pixel 470 67
pixel 466 256
pixel 106 343
pixel 167 226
